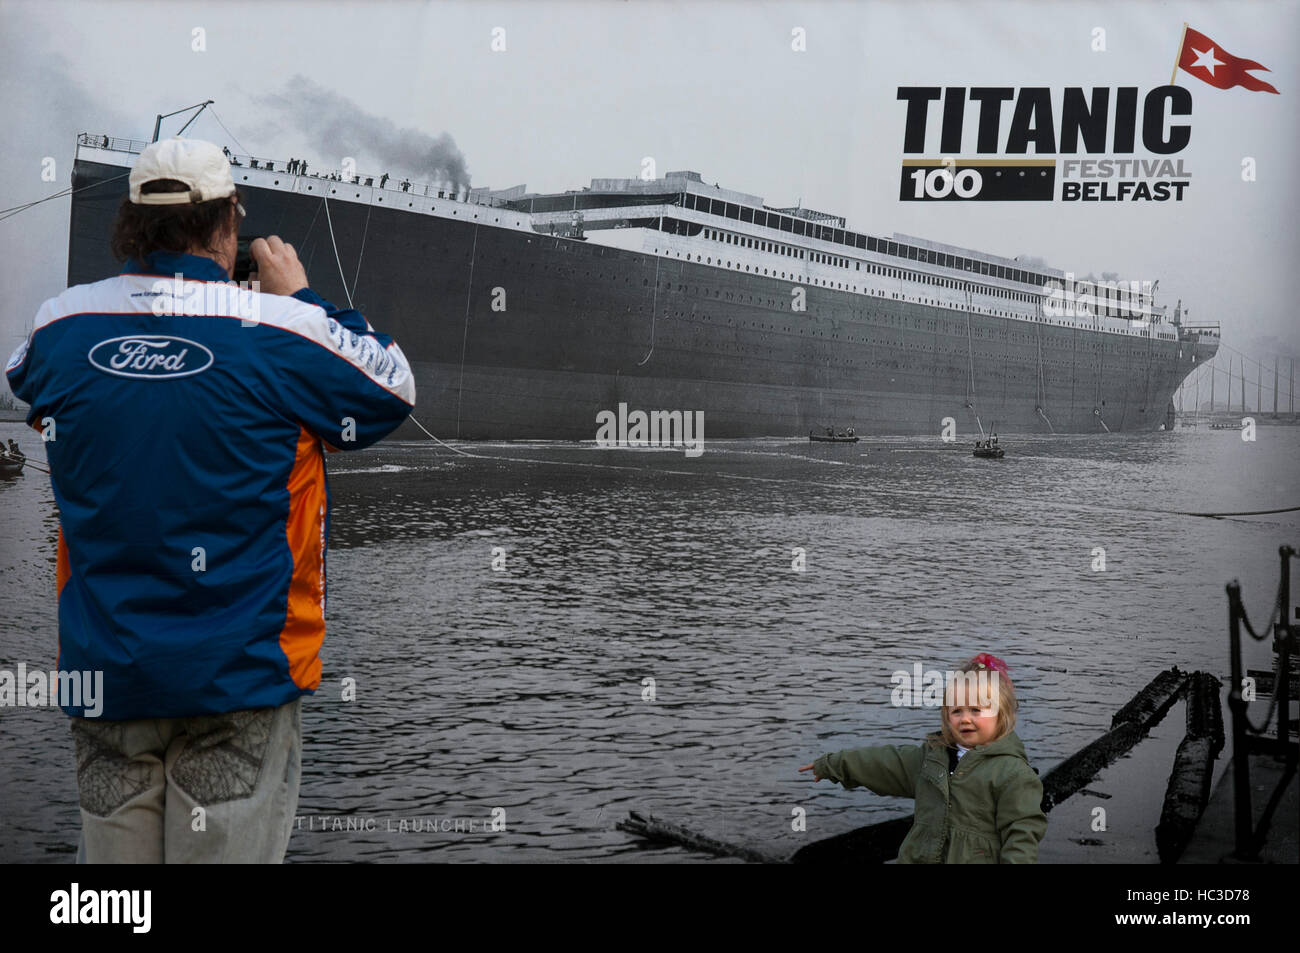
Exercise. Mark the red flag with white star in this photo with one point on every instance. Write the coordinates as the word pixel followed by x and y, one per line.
pixel 1211 63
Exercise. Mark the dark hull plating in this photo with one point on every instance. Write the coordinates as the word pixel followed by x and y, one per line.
pixel 519 335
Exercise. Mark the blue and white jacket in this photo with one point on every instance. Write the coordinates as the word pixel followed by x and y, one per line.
pixel 184 422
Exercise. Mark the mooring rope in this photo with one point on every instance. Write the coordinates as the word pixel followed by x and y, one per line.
pixel 654 309
pixel 436 440
pixel 805 483
pixel 970 360
pixel 1219 516
pixel 464 336
pixel 1042 386
pixel 364 232
pixel 342 277
pixel 69 191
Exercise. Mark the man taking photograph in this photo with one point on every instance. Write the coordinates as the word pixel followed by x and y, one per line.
pixel 186 423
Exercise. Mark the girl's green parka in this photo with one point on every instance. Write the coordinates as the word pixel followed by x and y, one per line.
pixel 988 811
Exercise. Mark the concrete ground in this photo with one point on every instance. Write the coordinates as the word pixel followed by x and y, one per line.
pixel 1215 837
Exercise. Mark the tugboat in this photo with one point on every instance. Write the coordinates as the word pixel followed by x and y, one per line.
pixel 830 436
pixel 989 449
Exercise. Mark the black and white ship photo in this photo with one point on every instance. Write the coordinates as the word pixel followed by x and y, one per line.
pixel 732 433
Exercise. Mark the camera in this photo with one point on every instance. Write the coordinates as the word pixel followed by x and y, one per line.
pixel 244 262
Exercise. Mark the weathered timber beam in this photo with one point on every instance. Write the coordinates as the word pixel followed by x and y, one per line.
pixel 1188 790
pixel 651 828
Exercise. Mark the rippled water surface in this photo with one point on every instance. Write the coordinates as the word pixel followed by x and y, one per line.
pixel 524 689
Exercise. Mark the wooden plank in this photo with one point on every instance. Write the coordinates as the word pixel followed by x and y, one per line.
pixel 1150 704
pixel 1188 790
pixel 651 828
pixel 1129 726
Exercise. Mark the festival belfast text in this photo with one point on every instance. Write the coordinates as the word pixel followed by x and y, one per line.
pixel 1108 126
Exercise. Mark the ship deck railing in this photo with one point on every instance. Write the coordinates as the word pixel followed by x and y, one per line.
pixel 261 164
pixel 112 143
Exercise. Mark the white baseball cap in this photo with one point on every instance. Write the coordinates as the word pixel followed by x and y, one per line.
pixel 200 165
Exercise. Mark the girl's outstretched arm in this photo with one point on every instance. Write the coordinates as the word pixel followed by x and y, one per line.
pixel 885 769
pixel 1020 819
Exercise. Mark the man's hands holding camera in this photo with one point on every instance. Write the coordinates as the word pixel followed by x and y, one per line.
pixel 279 271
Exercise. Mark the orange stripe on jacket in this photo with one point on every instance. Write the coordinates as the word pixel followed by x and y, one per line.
pixel 62 573
pixel 62 566
pixel 304 624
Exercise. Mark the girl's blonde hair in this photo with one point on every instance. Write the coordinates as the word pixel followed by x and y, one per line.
pixel 1006 698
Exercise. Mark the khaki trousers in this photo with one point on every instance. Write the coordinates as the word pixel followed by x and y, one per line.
pixel 204 789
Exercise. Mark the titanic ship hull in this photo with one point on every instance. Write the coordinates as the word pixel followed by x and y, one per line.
pixel 517 334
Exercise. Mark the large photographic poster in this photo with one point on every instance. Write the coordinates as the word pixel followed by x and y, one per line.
pixel 772 363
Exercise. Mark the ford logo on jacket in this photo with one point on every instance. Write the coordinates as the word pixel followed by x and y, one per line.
pixel 188 465
pixel 156 358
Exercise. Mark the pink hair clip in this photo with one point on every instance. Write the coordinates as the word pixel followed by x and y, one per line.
pixel 984 660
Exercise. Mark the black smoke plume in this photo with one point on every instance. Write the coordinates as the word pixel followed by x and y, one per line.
pixel 336 127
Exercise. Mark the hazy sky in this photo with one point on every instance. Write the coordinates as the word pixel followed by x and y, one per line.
pixel 587 90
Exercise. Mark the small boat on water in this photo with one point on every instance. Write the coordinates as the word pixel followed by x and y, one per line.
pixel 11 466
pixel 1227 427
pixel 989 449
pixel 830 436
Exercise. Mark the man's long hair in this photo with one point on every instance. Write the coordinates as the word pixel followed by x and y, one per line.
pixel 141 230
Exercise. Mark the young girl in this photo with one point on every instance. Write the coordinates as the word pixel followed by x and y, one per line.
pixel 977 799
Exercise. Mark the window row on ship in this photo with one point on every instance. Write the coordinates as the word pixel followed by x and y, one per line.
pixel 1127 299
pixel 1104 308
pixel 834 261
pixel 882 271
pixel 840 236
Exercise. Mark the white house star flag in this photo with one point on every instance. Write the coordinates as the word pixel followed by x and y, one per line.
pixel 1211 63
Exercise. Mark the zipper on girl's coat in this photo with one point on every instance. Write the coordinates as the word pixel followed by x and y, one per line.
pixel 947 807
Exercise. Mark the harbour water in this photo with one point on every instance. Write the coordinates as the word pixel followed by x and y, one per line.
pixel 522 692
